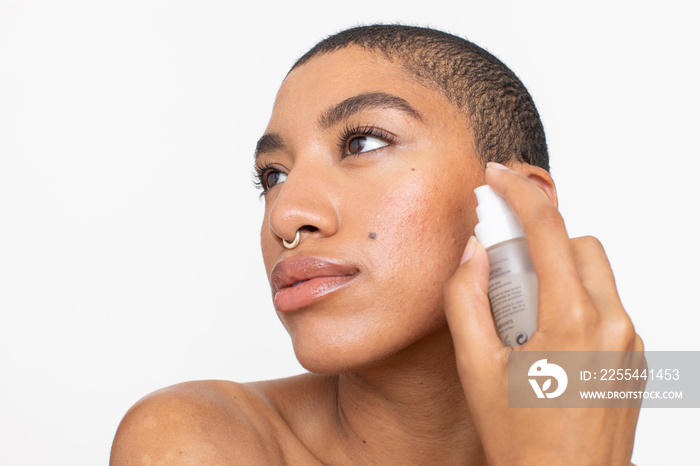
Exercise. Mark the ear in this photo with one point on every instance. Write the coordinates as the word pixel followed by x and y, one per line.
pixel 540 177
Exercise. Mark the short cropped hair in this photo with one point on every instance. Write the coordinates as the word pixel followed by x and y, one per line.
pixel 502 114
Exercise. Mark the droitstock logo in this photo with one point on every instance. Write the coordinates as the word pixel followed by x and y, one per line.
pixel 542 369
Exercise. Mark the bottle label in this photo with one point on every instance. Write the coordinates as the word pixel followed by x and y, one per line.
pixel 513 292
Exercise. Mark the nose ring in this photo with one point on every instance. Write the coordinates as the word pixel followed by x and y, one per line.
pixel 294 243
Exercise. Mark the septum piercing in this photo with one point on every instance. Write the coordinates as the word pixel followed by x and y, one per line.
pixel 294 243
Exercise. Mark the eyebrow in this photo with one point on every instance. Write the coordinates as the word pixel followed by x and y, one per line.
pixel 270 142
pixel 368 101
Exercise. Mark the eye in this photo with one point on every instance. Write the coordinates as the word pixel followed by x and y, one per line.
pixel 356 140
pixel 359 144
pixel 266 176
pixel 274 177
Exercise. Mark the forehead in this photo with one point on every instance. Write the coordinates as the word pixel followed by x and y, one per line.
pixel 332 77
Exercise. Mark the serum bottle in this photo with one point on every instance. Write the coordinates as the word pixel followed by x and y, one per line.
pixel 512 280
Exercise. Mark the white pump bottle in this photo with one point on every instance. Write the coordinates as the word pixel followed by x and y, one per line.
pixel 512 281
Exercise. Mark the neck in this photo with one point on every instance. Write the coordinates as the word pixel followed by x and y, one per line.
pixel 412 404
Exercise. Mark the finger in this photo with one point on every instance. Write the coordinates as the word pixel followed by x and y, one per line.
pixel 547 240
pixel 613 326
pixel 596 274
pixel 468 310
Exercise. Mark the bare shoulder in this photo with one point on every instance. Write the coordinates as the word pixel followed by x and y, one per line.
pixel 203 422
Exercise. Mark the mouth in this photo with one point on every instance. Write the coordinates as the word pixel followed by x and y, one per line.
pixel 302 281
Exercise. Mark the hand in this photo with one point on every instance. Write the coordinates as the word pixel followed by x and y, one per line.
pixel 579 310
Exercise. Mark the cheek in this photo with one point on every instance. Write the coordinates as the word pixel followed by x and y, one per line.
pixel 422 228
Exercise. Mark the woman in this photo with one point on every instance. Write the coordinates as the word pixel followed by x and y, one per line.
pixel 377 139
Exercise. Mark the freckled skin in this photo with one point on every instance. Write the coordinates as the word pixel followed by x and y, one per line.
pixel 416 194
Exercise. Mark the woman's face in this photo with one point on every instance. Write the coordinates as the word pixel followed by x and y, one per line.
pixel 377 172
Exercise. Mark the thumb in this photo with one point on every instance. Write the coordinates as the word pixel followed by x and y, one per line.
pixel 468 310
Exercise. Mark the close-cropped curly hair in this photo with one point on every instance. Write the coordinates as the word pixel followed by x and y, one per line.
pixel 506 124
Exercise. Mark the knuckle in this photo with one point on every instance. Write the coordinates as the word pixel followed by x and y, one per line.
pixel 588 242
pixel 621 330
pixel 626 330
pixel 581 317
pixel 581 310
pixel 592 241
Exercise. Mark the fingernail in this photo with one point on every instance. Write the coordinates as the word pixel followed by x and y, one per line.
pixel 497 166
pixel 469 250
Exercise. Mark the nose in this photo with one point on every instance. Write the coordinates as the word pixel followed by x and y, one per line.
pixel 304 203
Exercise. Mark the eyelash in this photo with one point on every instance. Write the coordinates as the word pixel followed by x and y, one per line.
pixel 259 173
pixel 361 130
pixel 261 170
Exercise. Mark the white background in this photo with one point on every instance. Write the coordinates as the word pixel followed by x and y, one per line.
pixel 129 255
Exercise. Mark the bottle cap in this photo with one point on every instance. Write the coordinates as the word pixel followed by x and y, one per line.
pixel 497 222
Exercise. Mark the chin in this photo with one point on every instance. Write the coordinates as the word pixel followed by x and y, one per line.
pixel 338 349
pixel 335 362
pixel 330 356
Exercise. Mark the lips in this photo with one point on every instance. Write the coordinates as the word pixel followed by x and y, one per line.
pixel 302 281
